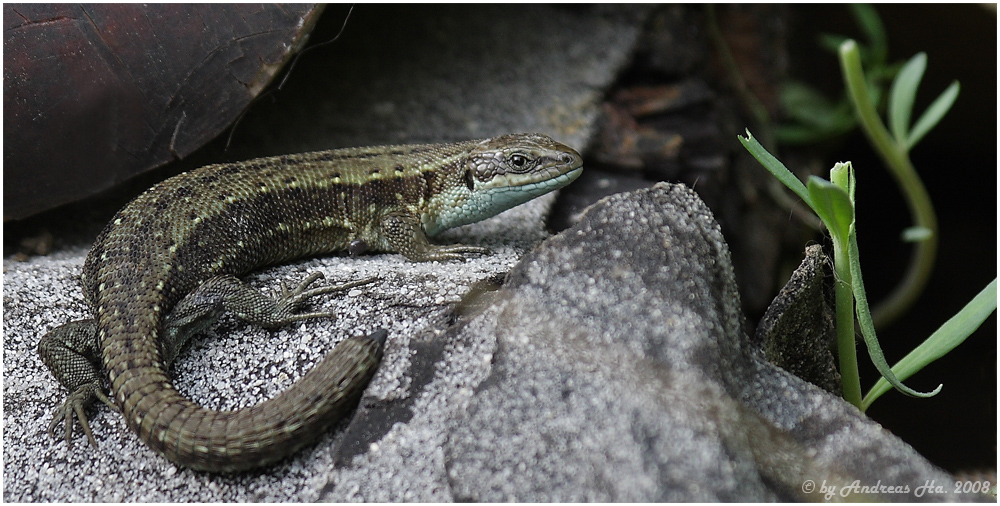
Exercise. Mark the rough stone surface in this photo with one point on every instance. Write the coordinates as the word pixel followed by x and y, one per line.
pixel 620 372
pixel 797 332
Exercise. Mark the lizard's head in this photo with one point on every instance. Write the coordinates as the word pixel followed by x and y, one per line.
pixel 505 171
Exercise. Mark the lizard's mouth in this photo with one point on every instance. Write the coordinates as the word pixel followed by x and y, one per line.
pixel 508 190
pixel 536 183
pixel 504 192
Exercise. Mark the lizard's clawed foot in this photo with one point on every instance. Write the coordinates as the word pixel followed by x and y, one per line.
pixel 443 253
pixel 75 405
pixel 290 300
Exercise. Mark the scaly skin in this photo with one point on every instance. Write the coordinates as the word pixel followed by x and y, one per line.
pixel 164 269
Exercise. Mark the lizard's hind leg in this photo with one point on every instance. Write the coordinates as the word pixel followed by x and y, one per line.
pixel 205 305
pixel 72 354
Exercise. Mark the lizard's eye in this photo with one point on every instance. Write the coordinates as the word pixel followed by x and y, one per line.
pixel 518 160
pixel 468 179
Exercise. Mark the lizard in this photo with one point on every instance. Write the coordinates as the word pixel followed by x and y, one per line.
pixel 165 268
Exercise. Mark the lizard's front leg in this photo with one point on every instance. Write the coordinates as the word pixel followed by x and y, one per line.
pixel 402 231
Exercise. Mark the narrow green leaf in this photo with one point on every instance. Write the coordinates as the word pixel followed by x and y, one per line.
pixel 868 117
pixel 868 328
pixel 805 104
pixel 871 24
pixel 833 206
pixel 814 118
pixel 933 114
pixel 953 333
pixel 902 95
pixel 775 167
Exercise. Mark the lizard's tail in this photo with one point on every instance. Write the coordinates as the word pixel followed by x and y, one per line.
pixel 226 441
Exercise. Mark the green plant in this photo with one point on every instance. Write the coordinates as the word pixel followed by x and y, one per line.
pixel 894 150
pixel 812 117
pixel 833 202
pixel 816 118
pixel 943 340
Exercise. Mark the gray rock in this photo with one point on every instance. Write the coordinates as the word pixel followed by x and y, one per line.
pixel 797 331
pixel 609 352
pixel 620 372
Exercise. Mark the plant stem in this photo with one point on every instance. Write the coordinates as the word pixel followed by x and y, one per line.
pixel 897 160
pixel 847 350
pixel 922 258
